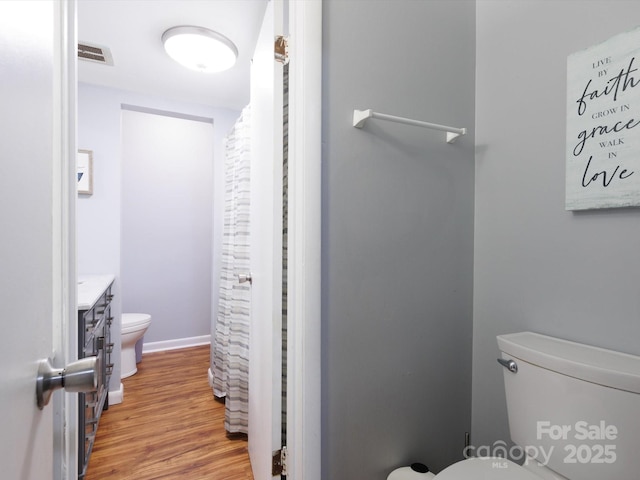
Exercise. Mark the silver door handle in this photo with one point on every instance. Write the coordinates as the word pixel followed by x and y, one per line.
pixel 244 278
pixel 79 376
pixel 509 365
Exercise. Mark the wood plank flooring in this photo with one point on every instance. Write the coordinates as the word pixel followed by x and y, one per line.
pixel 169 426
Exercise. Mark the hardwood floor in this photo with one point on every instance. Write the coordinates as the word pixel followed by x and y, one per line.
pixel 169 426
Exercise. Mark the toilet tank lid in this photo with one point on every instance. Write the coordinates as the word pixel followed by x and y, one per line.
pixel 585 362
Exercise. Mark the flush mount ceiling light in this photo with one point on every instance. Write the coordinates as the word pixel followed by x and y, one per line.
pixel 199 48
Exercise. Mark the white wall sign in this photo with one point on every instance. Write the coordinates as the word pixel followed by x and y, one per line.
pixel 603 125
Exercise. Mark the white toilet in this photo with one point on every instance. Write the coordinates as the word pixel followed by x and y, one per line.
pixel 134 325
pixel 573 408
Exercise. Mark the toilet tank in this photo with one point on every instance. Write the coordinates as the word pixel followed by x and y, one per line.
pixel 574 408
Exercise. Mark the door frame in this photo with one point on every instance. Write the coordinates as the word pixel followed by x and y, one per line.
pixel 64 318
pixel 304 422
pixel 304 241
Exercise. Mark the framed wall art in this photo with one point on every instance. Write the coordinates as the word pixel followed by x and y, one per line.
pixel 603 116
pixel 84 168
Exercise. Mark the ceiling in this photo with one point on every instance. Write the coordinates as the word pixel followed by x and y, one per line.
pixel 131 29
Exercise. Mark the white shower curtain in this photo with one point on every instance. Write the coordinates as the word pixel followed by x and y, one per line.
pixel 231 341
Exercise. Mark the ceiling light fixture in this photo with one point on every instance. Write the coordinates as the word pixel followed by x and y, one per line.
pixel 199 48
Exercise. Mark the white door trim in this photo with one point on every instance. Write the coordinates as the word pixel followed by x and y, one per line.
pixel 64 315
pixel 305 102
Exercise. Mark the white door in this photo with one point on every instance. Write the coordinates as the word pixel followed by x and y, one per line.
pixel 32 279
pixel 265 358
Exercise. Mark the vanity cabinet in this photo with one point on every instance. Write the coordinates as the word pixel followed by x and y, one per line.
pixel 94 339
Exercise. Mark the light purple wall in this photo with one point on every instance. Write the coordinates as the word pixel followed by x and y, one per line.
pixel 99 216
pixel 167 174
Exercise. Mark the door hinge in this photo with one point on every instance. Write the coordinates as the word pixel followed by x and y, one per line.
pixel 279 462
pixel 281 49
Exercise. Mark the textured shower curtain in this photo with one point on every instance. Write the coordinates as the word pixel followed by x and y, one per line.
pixel 231 342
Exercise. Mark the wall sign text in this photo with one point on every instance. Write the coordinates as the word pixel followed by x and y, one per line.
pixel 603 125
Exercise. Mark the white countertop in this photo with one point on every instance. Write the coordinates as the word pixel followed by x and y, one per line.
pixel 90 287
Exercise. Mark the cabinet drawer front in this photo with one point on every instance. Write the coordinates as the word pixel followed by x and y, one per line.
pixel 94 339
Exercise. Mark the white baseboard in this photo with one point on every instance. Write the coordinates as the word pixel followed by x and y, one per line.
pixel 175 344
pixel 116 396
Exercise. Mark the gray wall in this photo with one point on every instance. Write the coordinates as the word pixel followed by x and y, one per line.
pixel 537 266
pixel 397 236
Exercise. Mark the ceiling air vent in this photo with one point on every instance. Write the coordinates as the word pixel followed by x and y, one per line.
pixel 94 53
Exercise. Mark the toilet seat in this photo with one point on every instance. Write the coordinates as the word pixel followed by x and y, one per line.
pixel 135 321
pixel 486 469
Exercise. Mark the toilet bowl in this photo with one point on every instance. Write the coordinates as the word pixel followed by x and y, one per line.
pixel 134 325
pixel 486 468
pixel 472 469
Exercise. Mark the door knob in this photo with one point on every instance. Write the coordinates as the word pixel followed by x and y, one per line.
pixel 79 376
